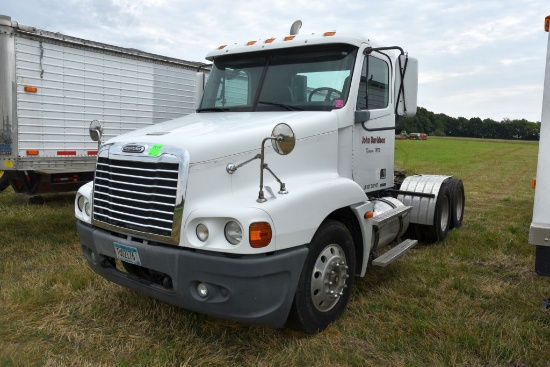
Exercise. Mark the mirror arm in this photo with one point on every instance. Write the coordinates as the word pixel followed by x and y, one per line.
pixel 261 198
pixel 282 187
pixel 99 140
pixel 231 168
pixel 282 133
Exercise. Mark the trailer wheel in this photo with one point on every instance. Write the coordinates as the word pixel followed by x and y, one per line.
pixel 325 284
pixel 4 181
pixel 457 202
pixel 442 216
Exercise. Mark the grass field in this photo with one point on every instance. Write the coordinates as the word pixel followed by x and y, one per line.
pixel 473 299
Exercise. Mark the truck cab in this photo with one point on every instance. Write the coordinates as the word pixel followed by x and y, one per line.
pixel 276 193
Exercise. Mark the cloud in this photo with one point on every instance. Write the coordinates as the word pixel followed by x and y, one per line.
pixel 436 76
pixel 462 47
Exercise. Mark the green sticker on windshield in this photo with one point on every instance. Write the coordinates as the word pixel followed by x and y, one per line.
pixel 155 150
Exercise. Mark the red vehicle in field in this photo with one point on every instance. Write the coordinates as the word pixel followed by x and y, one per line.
pixel 418 136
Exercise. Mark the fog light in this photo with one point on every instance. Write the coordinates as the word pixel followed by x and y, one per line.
pixel 202 232
pixel 202 290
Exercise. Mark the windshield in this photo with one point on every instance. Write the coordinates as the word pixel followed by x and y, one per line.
pixel 298 79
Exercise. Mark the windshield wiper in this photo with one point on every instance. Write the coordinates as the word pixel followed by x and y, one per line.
pixel 213 109
pixel 288 107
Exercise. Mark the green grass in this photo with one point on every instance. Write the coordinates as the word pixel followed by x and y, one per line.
pixel 473 299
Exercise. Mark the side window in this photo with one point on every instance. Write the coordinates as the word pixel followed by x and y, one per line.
pixel 374 86
pixel 233 89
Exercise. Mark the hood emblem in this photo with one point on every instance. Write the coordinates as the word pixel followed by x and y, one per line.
pixel 133 148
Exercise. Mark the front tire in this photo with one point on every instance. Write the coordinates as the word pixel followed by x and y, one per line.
pixel 325 284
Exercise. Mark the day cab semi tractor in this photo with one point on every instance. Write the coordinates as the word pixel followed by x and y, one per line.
pixel 265 204
pixel 539 233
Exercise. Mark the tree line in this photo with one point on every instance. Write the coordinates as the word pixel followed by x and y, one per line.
pixel 442 125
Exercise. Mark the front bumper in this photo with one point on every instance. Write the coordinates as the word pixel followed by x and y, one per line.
pixel 255 289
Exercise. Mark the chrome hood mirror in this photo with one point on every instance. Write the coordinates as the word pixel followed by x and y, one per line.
pixel 96 130
pixel 283 139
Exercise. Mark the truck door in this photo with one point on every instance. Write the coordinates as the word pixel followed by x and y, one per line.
pixel 374 128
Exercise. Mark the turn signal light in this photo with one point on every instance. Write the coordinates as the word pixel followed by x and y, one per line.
pixel 369 215
pixel 260 234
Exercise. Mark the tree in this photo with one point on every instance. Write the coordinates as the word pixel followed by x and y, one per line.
pixel 440 124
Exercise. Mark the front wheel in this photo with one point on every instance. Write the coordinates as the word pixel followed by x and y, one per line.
pixel 325 284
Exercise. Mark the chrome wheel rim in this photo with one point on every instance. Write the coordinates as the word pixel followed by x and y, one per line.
pixel 445 205
pixel 328 278
pixel 459 206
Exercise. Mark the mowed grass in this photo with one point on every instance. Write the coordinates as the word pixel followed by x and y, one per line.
pixel 473 299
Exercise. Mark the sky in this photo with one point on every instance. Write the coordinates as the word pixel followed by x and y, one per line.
pixel 477 58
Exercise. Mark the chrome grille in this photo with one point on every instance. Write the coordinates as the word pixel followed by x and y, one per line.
pixel 139 196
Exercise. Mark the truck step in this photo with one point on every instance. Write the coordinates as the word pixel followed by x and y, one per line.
pixel 383 218
pixel 393 254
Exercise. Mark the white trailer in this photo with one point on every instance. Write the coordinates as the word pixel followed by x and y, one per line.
pixel 539 232
pixel 208 213
pixel 52 86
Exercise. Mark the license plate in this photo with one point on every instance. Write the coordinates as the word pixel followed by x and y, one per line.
pixel 128 254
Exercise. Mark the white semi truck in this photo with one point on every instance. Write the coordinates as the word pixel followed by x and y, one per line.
pixel 270 199
pixel 51 87
pixel 539 233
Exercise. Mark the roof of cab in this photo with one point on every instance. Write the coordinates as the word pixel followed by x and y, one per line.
pixel 287 42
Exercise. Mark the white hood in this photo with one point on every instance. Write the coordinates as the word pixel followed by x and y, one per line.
pixel 213 135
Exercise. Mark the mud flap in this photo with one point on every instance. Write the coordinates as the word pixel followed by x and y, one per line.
pixel 542 261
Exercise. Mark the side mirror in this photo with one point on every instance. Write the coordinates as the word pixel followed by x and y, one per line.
pixel 283 139
pixel 406 86
pixel 96 130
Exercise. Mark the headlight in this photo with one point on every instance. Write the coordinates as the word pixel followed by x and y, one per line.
pixel 83 204
pixel 80 202
pixel 233 233
pixel 202 232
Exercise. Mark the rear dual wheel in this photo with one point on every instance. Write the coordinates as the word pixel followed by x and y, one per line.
pixel 457 204
pixel 327 277
pixel 449 213
pixel 441 224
